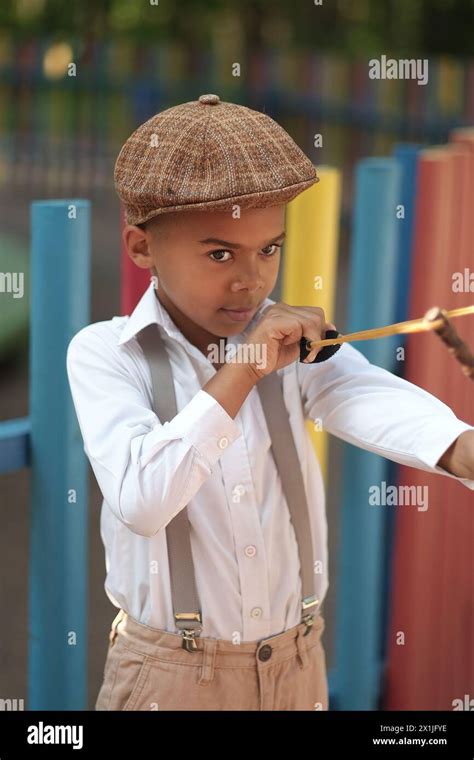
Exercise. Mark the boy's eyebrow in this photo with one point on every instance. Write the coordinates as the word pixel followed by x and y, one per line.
pixel 281 236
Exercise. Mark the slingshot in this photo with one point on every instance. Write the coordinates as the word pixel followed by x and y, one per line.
pixel 436 319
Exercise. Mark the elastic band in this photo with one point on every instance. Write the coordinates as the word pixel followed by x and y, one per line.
pixel 325 353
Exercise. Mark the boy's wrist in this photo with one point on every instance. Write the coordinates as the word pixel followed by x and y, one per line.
pixel 231 385
pixel 458 459
pixel 244 370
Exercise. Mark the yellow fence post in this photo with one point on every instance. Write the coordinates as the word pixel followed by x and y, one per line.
pixel 310 260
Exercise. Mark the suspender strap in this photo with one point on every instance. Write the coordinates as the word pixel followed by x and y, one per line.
pixel 186 607
pixel 289 468
pixel 187 613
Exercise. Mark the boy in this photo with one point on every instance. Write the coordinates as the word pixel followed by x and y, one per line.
pixel 218 611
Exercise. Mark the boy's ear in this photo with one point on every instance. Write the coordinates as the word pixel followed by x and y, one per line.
pixel 137 244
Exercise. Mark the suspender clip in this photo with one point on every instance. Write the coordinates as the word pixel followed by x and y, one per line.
pixel 189 642
pixel 308 619
pixel 189 634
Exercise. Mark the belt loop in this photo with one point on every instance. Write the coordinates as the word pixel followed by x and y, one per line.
pixel 208 661
pixel 113 629
pixel 302 653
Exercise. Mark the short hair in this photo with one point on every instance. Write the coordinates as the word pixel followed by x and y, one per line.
pixel 155 223
pixel 147 225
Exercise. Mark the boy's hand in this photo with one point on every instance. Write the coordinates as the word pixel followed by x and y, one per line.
pixel 459 458
pixel 280 329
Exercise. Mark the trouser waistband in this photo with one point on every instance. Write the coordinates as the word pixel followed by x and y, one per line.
pixel 211 653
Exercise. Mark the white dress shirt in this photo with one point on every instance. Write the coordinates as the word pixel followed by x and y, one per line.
pixel 243 544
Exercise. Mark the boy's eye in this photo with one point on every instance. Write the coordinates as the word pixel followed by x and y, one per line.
pixel 268 254
pixel 218 252
pixel 272 245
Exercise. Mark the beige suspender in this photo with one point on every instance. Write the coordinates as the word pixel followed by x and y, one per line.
pixel 186 606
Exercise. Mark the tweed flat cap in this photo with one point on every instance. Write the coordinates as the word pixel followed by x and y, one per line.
pixel 208 154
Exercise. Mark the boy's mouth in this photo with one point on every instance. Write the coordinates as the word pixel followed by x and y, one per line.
pixel 239 315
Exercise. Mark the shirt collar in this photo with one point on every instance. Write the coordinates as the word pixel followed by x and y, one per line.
pixel 149 310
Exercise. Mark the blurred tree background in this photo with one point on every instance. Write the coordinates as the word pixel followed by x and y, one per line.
pixel 354 27
pixel 303 62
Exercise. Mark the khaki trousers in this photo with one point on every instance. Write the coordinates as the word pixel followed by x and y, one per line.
pixel 147 669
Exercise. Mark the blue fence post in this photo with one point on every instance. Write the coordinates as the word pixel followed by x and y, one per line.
pixel 372 298
pixel 60 297
pixel 407 157
pixel 14 444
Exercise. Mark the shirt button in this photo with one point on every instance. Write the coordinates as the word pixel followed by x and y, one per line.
pixel 250 551
pixel 223 442
pixel 256 612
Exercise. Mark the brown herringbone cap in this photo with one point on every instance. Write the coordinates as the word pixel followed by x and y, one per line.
pixel 207 154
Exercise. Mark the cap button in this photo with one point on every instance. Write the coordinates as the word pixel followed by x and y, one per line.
pixel 210 100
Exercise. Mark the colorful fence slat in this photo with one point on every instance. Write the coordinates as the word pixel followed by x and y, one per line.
pixel 310 260
pixel 359 605
pixel 57 626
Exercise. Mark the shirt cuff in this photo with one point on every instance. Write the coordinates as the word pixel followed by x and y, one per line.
pixel 440 440
pixel 207 426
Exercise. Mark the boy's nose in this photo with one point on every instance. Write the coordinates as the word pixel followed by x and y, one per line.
pixel 247 283
pixel 249 278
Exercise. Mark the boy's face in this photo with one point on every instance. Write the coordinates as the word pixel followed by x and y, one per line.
pixel 207 262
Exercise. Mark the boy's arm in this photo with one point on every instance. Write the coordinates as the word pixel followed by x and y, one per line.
pixel 231 385
pixel 459 457
pixel 375 410
pixel 147 471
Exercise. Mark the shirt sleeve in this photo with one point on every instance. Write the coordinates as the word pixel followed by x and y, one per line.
pixel 147 471
pixel 372 408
